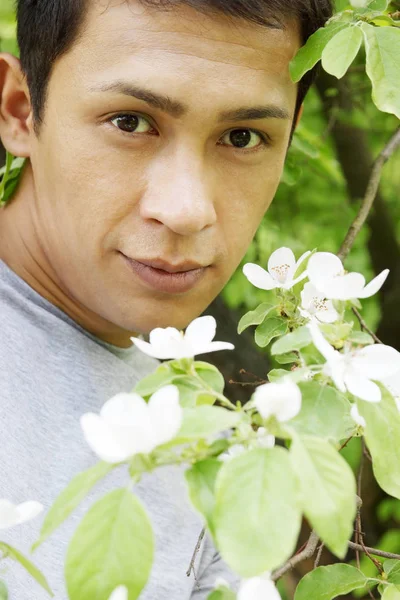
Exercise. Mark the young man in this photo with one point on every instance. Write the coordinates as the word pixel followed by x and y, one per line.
pixel 156 135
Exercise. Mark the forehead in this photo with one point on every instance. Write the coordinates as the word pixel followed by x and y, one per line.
pixel 211 52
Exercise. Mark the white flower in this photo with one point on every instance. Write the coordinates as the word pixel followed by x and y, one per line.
pixel 120 593
pixel 258 588
pixel 357 418
pixel 327 274
pixel 233 451
pixel 282 267
pixel 281 400
pixel 265 439
pixel 220 582
pixel 314 305
pixel 128 425
pixel 354 371
pixel 392 384
pixel 170 343
pixel 11 514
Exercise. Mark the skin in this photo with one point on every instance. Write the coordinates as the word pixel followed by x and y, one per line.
pixel 178 189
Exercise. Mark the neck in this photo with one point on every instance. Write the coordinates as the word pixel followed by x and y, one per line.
pixel 21 249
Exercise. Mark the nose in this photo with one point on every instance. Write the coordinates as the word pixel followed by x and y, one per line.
pixel 178 194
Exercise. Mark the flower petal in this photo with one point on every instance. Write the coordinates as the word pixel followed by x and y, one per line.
pixel 216 346
pixel 201 332
pixel 357 418
pixel 361 387
pixel 102 441
pixel 258 588
pixel 281 264
pixel 328 314
pixel 28 510
pixel 321 344
pixel 376 361
pixel 281 400
pixel 8 514
pixel 346 287
pixel 324 265
pixel 259 277
pixel 165 414
pixel 124 409
pixel 120 593
pixel 375 285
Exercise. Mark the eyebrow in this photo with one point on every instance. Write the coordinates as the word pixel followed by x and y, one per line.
pixel 178 109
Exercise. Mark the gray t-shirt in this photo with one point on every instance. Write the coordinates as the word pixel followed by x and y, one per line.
pixel 51 372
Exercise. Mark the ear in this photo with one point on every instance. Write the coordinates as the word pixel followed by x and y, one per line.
pixel 299 115
pixel 15 107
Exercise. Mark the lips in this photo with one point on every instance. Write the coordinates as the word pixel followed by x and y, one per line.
pixel 164 277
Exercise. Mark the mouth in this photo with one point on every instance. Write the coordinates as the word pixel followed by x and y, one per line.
pixel 166 277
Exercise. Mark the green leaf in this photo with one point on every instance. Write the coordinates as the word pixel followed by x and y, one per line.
pixel 325 412
pixel 277 374
pixel 212 378
pixel 308 56
pixel 287 359
pixel 270 329
pixel 257 516
pixel 382 435
pixel 383 66
pixel 113 545
pixel 361 337
pixel 341 51
pixel 296 340
pixel 201 481
pixel 204 421
pixel 9 175
pixel 391 592
pixel 378 5
pixel 162 376
pixel 70 498
pixel 14 554
pixel 255 317
pixel 392 569
pixel 328 490
pixel 3 591
pixel 326 583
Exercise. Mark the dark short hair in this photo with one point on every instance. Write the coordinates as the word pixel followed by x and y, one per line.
pixel 46 29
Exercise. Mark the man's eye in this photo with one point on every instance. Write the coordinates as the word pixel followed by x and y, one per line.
pixel 245 138
pixel 131 123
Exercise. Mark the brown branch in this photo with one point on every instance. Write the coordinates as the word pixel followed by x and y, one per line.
pixel 372 189
pixel 319 554
pixel 366 549
pixel 197 548
pixel 365 326
pixel 308 552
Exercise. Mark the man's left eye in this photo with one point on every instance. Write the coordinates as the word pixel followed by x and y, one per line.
pixel 244 138
pixel 130 123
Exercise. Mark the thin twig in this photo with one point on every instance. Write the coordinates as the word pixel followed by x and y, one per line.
pixel 319 554
pixel 308 552
pixel 365 549
pixel 365 326
pixel 370 195
pixel 197 548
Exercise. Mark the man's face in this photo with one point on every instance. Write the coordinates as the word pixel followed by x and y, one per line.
pixel 174 186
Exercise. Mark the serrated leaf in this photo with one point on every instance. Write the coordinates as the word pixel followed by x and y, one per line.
pixel 255 317
pixel 14 554
pixel 378 5
pixel 257 515
pixel 392 569
pixel 270 329
pixel 201 479
pixel 308 56
pixel 70 498
pixel 383 66
pixel 341 50
pixel 328 490
pixel 163 375
pixel 296 340
pixel 326 583
pixel 325 412
pixel 382 434
pixel 113 545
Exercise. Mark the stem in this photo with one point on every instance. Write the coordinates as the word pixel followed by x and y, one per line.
pixel 197 548
pixel 308 552
pixel 365 326
pixel 368 550
pixel 370 195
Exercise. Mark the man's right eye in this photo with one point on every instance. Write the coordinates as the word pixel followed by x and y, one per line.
pixel 131 123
